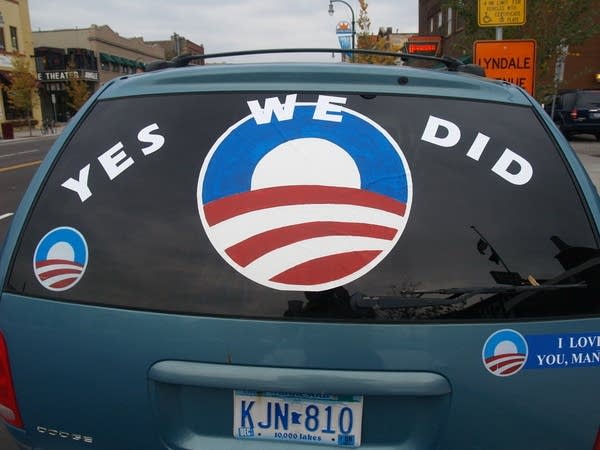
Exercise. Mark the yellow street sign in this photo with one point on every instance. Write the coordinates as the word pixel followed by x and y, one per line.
pixel 501 13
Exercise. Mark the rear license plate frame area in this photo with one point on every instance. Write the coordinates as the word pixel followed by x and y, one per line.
pixel 325 419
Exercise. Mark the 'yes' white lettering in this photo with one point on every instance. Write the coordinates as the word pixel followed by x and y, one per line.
pixel 156 141
pixel 115 161
pixel 81 185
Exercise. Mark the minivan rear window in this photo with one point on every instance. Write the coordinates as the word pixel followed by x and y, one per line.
pixel 312 206
pixel 588 99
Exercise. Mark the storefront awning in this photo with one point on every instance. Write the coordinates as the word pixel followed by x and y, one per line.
pixel 113 59
pixel 105 58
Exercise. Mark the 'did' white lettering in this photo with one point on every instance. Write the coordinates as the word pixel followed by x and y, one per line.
pixel 434 124
pixel 519 177
pixel 510 166
pixel 478 146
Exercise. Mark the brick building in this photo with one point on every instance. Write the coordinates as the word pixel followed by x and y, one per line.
pixel 444 29
pixel 15 42
pixel 95 54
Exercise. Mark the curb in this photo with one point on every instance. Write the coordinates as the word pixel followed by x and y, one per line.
pixel 36 134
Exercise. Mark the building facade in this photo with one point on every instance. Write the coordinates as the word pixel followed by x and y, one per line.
pixel 15 42
pixel 439 23
pixel 179 45
pixel 95 55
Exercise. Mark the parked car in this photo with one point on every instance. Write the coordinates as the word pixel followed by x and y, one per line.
pixel 249 255
pixel 576 112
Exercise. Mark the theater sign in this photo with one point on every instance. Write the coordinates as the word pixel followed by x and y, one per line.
pixel 65 75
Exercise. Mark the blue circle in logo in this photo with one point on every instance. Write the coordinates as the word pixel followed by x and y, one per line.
pixel 304 202
pixel 505 352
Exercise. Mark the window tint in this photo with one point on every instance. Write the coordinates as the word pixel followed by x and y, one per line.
pixel 568 100
pixel 467 194
pixel 589 99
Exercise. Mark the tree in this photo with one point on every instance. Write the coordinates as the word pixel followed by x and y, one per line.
pixel 77 90
pixel 366 40
pixel 553 24
pixel 21 92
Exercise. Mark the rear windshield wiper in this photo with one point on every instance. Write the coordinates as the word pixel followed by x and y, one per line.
pixel 450 296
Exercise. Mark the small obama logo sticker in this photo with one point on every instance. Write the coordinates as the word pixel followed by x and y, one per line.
pixel 304 196
pixel 505 352
pixel 60 259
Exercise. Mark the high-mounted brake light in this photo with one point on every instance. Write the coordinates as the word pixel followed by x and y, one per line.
pixel 9 410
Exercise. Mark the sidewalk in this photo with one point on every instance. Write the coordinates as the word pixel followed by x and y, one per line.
pixel 23 133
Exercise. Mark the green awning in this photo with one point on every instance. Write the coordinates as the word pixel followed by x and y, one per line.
pixel 108 59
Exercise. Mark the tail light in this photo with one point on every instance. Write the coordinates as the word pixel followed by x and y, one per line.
pixel 597 443
pixel 9 409
pixel 574 114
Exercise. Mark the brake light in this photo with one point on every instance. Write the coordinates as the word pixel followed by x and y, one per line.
pixel 597 443
pixel 574 114
pixel 9 410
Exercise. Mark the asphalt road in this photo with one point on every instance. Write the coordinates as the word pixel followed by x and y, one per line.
pixel 20 159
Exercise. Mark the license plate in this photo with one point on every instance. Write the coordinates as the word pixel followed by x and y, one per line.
pixel 309 418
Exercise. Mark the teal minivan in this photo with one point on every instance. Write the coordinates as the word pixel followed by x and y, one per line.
pixel 304 255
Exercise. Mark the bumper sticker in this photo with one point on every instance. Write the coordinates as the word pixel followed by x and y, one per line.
pixel 506 351
pixel 60 259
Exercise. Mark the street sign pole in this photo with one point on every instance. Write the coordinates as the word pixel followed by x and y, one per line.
pixel 511 60
pixel 53 98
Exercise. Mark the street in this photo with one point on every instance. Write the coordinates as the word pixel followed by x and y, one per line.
pixel 588 151
pixel 19 159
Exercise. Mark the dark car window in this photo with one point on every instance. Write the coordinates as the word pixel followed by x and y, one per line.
pixel 393 196
pixel 588 99
pixel 568 100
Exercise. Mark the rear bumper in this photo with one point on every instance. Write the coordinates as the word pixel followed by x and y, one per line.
pixel 581 128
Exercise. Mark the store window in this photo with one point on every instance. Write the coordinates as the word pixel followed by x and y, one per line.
pixel 13 38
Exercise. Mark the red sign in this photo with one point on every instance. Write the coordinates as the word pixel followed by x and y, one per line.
pixel 422 48
pixel 424 45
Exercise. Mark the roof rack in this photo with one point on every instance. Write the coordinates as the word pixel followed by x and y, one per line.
pixel 452 64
